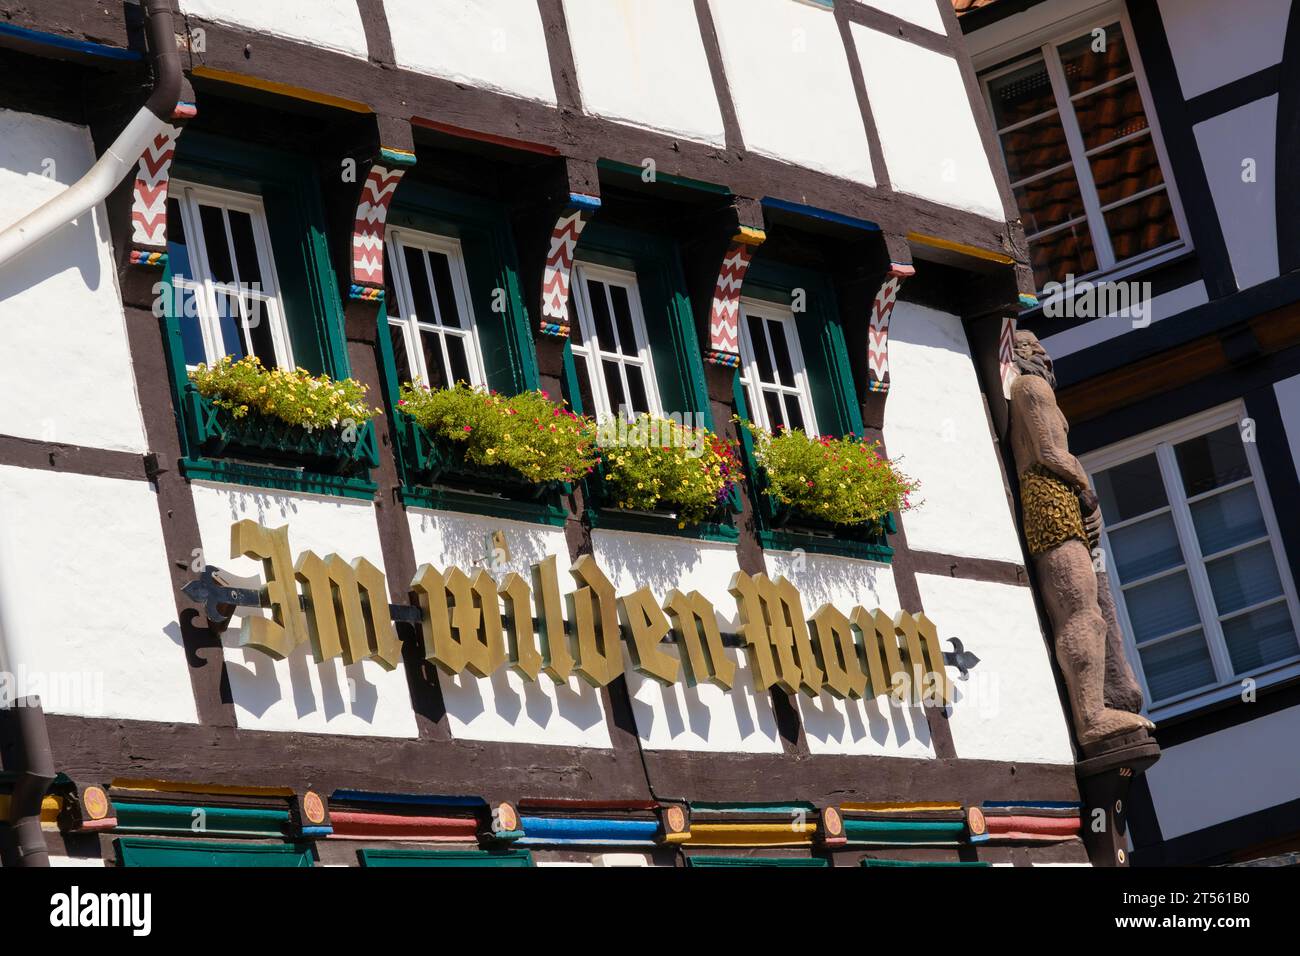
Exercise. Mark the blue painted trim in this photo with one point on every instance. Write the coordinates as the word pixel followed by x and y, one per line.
pixel 539 830
pixel 366 796
pixel 814 212
pixel 583 201
pixel 317 831
pixel 67 43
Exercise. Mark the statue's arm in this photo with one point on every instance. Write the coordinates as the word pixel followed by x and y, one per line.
pixel 1034 406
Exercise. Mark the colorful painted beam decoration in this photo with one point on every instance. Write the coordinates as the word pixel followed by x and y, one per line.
pixel 1007 355
pixel 149 192
pixel 1027 822
pixel 377 191
pixel 724 313
pixel 882 308
pixel 342 612
pixel 559 262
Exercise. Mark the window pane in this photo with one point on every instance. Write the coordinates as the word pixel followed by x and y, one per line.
pixel 455 346
pixel 241 231
pixel 1145 548
pixel 794 415
pixel 759 341
pixel 1208 461
pixel 1126 170
pixel 1141 225
pixel 623 316
pixel 1049 201
pixel 401 358
pixel 600 315
pixel 447 309
pixel 230 323
pixel 784 367
pixel 259 330
pixel 775 414
pixel 1086 67
pixel 636 385
pixel 1228 518
pixel 1111 113
pixel 178 251
pixel 1035 147
pixel 1020 94
pixel 1244 578
pixel 1060 253
pixel 1177 665
pixel 1161 607
pixel 191 332
pixel 1259 638
pixel 1130 489
pixel 431 346
pixel 214 237
pixel 421 297
pixel 613 386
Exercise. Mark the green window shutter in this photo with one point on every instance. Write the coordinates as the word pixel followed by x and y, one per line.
pixel 383 857
pixel 192 853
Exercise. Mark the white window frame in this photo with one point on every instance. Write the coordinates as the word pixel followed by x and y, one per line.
pixel 592 351
pixel 1043 43
pixel 188 197
pixel 749 379
pixel 413 325
pixel 1161 442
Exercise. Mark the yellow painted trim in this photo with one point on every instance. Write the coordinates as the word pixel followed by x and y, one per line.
pixel 281 89
pixel 974 251
pixel 684 837
pixel 168 786
pixel 750 834
pixel 899 807
pixel 50 807
pixel 750 236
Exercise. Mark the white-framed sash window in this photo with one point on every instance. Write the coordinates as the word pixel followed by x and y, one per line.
pixel 227 296
pixel 772 369
pixel 611 352
pixel 430 316
pixel 1195 561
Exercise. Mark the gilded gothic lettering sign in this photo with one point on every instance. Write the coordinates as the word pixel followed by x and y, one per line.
pixel 470 621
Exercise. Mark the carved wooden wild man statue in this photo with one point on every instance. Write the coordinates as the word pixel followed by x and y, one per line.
pixel 1062 524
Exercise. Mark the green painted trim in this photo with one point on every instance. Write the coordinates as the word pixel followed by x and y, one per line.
pixel 449 499
pixel 614 166
pixel 718 861
pixel 217 821
pixel 616 519
pixel 195 853
pixel 774 540
pixel 458 858
pixel 283 479
pixel 916 864
pixel 905 831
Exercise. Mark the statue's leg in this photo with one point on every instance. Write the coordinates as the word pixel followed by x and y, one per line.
pixel 1122 689
pixel 1079 631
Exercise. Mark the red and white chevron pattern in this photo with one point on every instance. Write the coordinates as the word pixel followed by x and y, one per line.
pixel 882 307
pixel 724 316
pixel 149 195
pixel 1007 355
pixel 559 267
pixel 368 228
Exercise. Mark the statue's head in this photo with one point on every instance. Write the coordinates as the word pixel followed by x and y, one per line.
pixel 1032 359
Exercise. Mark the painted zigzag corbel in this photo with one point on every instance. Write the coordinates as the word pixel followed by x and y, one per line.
pixel 1007 355
pixel 377 191
pixel 882 307
pixel 556 274
pixel 149 192
pixel 724 313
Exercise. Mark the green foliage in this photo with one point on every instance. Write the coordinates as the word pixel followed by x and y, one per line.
pixel 528 433
pixel 845 481
pixel 657 463
pixel 293 396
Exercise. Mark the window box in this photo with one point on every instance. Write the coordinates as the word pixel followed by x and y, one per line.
pixel 787 529
pixel 605 513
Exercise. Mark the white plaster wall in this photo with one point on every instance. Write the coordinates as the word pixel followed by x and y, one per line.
pixel 84 579
pixel 1225 775
pixel 927 128
pixel 704 717
pixel 77 861
pixel 62 329
pixel 790 83
pixel 936 428
pixel 1247 210
pixel 505 706
pixel 495 44
pixel 1214 43
pixel 644 64
pixel 298 694
pixel 1288 401
pixel 1094 332
pixel 831 725
pixel 924 13
pixel 333 24
pixel 1009 708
